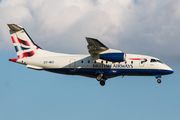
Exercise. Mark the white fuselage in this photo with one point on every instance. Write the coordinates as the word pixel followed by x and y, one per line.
pixel 86 65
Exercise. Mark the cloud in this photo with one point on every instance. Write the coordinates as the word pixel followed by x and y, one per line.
pixel 133 26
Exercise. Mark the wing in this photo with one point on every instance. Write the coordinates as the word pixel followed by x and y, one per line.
pixel 95 46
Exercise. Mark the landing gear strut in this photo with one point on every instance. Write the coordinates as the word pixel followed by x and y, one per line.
pixel 99 77
pixel 102 79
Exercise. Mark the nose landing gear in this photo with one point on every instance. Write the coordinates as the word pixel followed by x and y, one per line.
pixel 158 77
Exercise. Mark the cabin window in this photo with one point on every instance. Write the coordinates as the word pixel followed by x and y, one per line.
pixel 82 61
pixel 101 61
pixel 106 61
pixel 94 61
pixel 131 62
pixel 125 62
pixel 88 61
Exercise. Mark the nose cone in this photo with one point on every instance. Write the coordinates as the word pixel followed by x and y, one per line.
pixel 169 70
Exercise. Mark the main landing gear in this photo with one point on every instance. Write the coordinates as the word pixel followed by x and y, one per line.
pixel 102 79
pixel 158 77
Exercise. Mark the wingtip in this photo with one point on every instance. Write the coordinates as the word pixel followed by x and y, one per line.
pixel 87 37
pixel 91 38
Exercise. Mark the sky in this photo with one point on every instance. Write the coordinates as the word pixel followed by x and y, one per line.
pixel 132 26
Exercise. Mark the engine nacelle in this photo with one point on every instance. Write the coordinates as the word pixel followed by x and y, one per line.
pixel 113 57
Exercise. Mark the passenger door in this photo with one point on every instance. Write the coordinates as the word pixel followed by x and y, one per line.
pixel 72 64
pixel 142 62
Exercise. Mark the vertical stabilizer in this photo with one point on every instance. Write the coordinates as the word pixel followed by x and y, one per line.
pixel 23 44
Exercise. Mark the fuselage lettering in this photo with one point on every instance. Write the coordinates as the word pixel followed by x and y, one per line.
pixel 112 66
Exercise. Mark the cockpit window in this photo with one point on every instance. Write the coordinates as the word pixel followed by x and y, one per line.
pixel 159 61
pixel 154 60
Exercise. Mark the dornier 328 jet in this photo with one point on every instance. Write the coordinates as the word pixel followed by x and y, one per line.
pixel 102 63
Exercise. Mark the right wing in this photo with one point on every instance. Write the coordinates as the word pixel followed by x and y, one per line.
pixel 95 46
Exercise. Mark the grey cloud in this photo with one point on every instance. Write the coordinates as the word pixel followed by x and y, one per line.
pixel 153 30
pixel 142 27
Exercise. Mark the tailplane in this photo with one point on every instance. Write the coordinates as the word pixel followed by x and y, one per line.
pixel 23 44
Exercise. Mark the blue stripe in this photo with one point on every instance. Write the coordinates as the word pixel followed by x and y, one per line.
pixel 23 48
pixel 16 48
pixel 110 72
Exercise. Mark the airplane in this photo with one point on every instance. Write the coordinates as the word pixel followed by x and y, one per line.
pixel 102 63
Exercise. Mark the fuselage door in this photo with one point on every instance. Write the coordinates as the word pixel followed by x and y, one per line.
pixel 142 62
pixel 72 64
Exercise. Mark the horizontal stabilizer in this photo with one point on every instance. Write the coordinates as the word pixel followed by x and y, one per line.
pixel 13 60
pixel 15 27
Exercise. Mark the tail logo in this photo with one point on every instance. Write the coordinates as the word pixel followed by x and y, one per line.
pixel 23 48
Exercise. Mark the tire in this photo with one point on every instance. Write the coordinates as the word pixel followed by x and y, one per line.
pixel 102 82
pixel 159 81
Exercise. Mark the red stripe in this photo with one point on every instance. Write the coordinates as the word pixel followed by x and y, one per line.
pixel 26 43
pixel 32 53
pixel 24 55
pixel 137 58
pixel 13 39
pixel 19 40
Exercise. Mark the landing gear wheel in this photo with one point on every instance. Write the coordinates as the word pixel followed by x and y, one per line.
pixel 159 81
pixel 102 82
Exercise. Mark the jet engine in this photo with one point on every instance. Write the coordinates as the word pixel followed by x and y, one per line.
pixel 113 57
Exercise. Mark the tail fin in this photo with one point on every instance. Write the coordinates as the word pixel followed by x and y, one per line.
pixel 22 42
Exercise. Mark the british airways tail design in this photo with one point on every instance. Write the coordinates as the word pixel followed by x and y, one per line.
pixel 102 63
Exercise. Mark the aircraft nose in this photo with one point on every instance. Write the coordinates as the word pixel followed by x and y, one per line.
pixel 169 70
